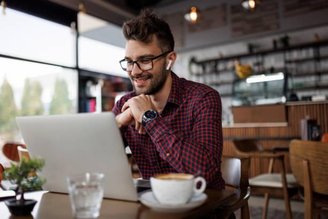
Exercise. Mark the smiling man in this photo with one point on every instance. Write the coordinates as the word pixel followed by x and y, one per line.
pixel 170 124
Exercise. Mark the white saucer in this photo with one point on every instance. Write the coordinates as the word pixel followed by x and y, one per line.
pixel 148 199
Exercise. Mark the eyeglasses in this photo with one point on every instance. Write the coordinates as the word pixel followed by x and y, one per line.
pixel 143 64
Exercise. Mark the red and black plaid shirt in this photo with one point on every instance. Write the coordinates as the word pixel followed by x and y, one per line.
pixel 186 137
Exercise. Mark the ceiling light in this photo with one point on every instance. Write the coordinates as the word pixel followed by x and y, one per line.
pixel 82 7
pixel 3 4
pixel 249 4
pixel 264 78
pixel 192 15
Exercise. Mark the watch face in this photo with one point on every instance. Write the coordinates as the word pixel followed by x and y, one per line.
pixel 151 114
pixel 148 116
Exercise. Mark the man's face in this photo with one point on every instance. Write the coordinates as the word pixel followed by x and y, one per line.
pixel 146 81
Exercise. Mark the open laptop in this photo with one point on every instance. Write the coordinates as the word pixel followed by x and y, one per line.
pixel 79 143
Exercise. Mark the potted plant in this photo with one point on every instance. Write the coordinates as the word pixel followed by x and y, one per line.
pixel 24 177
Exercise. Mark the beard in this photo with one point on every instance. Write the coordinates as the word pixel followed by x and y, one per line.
pixel 157 82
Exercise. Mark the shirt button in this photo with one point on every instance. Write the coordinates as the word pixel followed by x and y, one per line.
pixel 167 154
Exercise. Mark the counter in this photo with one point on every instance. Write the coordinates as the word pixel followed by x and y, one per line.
pixel 275 134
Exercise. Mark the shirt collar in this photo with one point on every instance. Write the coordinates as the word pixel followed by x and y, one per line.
pixel 176 89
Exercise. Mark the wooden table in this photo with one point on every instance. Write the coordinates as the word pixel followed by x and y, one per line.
pixel 55 206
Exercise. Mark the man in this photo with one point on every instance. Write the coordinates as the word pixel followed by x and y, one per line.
pixel 170 124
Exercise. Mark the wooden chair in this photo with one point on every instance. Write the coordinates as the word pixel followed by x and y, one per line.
pixel 278 184
pixel 10 150
pixel 309 164
pixel 14 152
pixel 2 169
pixel 235 173
pixel 23 153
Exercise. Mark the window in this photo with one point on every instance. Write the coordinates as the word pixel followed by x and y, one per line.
pixel 38 74
pixel 102 57
pixel 28 88
pixel 39 71
pixel 101 45
pixel 33 38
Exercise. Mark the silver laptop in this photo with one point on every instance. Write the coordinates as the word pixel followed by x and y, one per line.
pixel 78 143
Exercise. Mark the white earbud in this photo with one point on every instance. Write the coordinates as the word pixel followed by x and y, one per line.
pixel 168 67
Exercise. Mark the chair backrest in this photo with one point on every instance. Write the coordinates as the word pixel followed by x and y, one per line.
pixel 2 169
pixel 9 149
pixel 316 156
pixel 235 172
pixel 23 153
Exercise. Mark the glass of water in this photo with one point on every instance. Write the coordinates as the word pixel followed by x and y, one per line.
pixel 86 194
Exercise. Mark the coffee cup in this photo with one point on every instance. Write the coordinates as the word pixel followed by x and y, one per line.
pixel 176 188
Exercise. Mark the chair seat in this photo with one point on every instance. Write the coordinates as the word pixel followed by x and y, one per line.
pixel 273 180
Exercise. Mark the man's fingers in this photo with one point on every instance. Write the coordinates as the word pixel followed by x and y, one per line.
pixel 125 106
pixel 140 128
pixel 142 131
pixel 136 125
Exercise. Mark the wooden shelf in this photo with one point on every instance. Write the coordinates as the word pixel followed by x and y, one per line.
pixel 304 60
pixel 264 52
pixel 209 68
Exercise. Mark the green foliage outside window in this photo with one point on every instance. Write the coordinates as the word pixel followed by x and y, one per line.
pixel 60 102
pixel 31 103
pixel 8 110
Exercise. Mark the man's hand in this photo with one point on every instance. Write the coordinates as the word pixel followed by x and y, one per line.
pixel 138 106
pixel 125 118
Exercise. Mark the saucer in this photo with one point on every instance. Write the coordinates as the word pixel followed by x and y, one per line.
pixel 148 199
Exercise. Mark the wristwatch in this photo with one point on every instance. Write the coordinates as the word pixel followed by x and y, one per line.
pixel 148 116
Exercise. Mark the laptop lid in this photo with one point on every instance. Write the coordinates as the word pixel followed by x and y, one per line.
pixel 79 143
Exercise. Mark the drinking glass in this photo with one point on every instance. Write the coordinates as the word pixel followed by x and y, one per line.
pixel 86 194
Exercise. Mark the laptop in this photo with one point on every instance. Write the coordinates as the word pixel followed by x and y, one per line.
pixel 79 143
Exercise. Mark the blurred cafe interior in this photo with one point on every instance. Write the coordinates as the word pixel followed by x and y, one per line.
pixel 267 58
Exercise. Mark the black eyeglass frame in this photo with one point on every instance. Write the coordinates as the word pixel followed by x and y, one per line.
pixel 151 59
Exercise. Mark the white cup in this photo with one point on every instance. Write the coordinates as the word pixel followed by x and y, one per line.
pixel 176 188
pixel 86 194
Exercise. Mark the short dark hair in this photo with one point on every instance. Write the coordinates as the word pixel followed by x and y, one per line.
pixel 147 24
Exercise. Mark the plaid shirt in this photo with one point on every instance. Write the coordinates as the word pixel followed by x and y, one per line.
pixel 186 137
